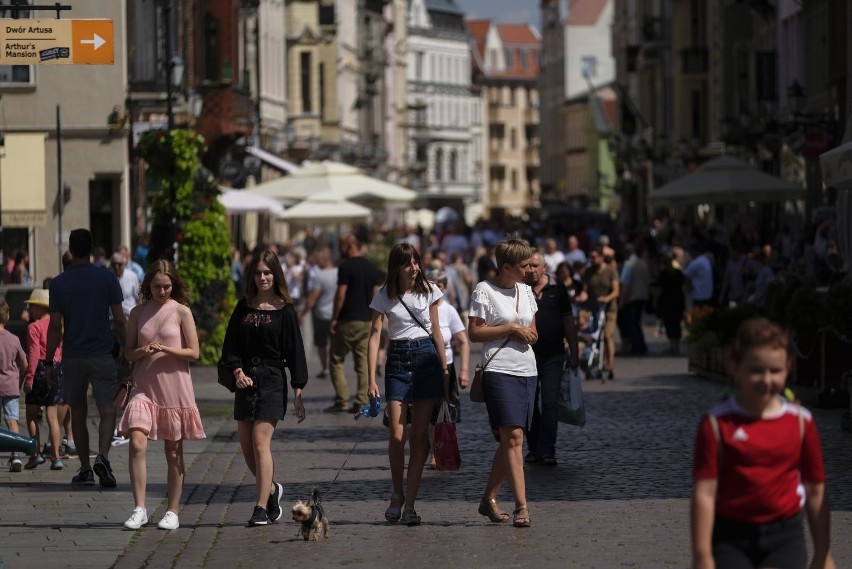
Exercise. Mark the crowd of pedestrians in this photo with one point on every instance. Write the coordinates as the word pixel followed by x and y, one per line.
pixel 526 299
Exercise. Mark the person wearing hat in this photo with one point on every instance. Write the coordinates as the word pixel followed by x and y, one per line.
pixel 38 391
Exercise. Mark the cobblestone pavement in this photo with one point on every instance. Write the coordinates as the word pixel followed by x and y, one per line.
pixel 618 498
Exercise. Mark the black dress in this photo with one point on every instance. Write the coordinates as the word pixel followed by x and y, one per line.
pixel 263 343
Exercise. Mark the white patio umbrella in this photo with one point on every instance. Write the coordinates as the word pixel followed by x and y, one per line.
pixel 246 201
pixel 343 181
pixel 325 207
pixel 724 180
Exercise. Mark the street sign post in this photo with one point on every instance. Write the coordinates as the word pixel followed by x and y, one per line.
pixel 51 42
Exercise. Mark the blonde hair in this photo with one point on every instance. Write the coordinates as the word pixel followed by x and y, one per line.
pixel 512 251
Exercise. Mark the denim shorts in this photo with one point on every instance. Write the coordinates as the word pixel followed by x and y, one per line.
pixel 413 371
pixel 11 407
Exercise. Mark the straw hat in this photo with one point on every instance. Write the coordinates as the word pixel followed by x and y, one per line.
pixel 40 297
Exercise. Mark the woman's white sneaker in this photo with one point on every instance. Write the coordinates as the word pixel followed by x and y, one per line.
pixel 137 519
pixel 169 521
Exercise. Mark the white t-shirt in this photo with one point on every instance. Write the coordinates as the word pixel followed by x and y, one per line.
pixel 129 290
pixel 401 326
pixel 451 324
pixel 497 306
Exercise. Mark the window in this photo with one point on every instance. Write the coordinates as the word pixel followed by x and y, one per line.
pixel 211 47
pixel 16 74
pixel 507 58
pixel 439 163
pixel 492 58
pixel 514 180
pixel 418 65
pixel 513 138
pixel 322 90
pixel 454 165
pixel 305 76
pixel 522 56
pixel 589 66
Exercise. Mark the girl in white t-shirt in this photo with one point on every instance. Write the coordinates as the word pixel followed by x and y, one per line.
pixel 501 316
pixel 415 371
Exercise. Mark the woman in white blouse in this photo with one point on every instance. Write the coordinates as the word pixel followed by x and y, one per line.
pixel 502 318
pixel 415 370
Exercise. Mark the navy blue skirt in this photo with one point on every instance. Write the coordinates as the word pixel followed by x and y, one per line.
pixel 509 400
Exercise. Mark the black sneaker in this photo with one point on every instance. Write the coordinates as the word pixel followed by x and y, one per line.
pixel 273 504
pixel 104 472
pixel 83 478
pixel 258 517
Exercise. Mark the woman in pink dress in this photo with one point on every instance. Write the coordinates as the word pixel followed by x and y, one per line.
pixel 161 341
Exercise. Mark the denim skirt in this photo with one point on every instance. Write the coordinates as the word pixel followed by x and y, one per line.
pixel 413 371
pixel 509 399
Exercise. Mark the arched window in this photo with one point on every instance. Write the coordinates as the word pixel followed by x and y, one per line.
pixel 439 163
pixel 454 165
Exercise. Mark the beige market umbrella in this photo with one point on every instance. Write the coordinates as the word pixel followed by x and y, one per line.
pixel 325 207
pixel 725 180
pixel 341 180
pixel 246 201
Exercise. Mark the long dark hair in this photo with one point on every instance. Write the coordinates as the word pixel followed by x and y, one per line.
pixel 279 285
pixel 180 292
pixel 399 256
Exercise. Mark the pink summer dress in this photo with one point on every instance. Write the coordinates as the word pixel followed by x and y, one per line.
pixel 163 400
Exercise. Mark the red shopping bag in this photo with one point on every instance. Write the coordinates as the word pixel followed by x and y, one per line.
pixel 445 447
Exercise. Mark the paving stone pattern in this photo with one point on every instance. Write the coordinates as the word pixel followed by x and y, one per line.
pixel 618 498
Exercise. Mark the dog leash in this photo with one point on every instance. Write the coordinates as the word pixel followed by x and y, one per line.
pixel 369 412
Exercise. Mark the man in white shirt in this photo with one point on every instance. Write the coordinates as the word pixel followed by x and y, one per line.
pixel 128 281
pixel 552 256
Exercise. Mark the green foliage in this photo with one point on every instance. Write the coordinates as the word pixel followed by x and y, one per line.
pixel 188 192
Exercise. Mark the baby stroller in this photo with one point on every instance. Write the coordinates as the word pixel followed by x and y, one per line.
pixel 592 319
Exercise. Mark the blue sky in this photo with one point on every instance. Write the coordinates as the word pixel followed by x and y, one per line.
pixel 503 11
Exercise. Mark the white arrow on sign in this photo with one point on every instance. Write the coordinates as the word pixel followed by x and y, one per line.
pixel 96 41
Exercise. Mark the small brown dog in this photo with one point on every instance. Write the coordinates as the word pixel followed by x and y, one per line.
pixel 311 517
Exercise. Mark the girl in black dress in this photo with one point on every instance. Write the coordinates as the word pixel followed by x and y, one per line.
pixel 263 338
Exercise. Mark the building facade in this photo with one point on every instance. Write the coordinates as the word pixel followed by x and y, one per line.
pixel 441 106
pixel 507 74
pixel 551 84
pixel 39 208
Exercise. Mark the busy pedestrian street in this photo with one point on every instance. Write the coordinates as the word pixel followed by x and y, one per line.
pixel 619 496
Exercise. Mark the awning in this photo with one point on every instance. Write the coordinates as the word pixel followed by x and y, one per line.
pixel 22 180
pixel 325 207
pixel 273 160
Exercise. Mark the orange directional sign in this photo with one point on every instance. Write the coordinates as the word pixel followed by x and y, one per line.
pixel 43 42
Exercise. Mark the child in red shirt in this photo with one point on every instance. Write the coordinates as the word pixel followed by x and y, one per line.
pixel 758 462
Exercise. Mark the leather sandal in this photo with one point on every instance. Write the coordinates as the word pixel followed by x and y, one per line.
pixel 393 513
pixel 488 507
pixel 410 517
pixel 519 520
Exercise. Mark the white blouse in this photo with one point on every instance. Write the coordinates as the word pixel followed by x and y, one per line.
pixel 496 306
pixel 401 326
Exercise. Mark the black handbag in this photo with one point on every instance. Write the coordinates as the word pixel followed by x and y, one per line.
pixel 225 377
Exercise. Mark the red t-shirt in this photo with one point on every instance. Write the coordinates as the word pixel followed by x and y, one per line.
pixel 763 461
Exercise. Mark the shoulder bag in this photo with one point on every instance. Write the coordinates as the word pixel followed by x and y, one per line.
pixel 477 389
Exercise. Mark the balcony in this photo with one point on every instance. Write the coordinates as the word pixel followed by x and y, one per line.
pixel 531 115
pixel 695 60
